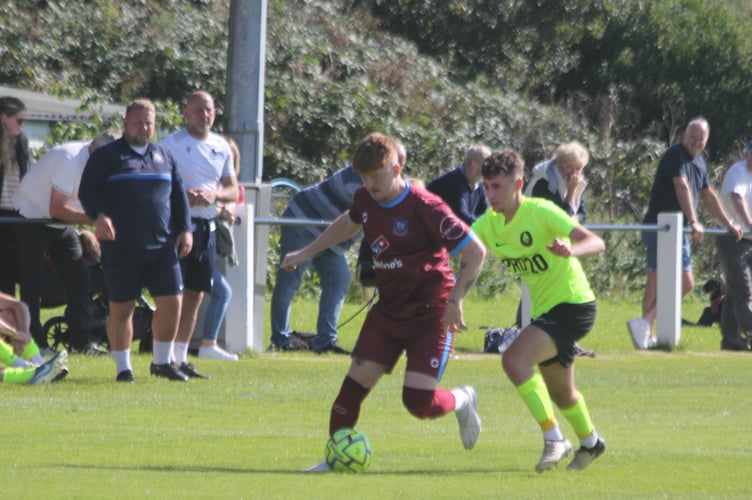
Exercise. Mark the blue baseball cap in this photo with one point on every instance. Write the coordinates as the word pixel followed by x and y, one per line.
pixel 749 145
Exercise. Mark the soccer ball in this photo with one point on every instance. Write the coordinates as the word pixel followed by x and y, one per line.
pixel 348 451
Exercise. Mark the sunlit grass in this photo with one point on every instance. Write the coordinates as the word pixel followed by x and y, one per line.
pixel 675 424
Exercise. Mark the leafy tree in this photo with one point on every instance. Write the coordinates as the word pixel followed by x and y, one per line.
pixel 333 75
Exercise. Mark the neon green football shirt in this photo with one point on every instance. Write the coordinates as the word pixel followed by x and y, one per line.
pixel 521 247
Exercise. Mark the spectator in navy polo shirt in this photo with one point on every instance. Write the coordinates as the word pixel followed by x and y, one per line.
pixel 133 191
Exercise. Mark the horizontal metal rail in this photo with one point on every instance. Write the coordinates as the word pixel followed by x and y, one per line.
pixel 288 221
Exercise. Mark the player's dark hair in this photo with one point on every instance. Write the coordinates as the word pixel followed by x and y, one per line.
pixel 506 162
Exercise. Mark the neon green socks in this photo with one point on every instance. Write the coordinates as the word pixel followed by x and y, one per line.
pixel 579 418
pixel 535 396
pixel 18 375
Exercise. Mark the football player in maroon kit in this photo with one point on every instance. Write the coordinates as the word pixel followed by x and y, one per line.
pixel 413 233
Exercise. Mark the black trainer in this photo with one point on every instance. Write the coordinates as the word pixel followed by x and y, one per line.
pixel 584 456
pixel 169 371
pixel 191 371
pixel 333 347
pixel 125 376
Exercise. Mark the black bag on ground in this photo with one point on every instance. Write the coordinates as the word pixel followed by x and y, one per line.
pixel 497 340
pixel 302 341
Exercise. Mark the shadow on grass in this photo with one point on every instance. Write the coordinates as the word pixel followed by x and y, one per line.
pixel 227 470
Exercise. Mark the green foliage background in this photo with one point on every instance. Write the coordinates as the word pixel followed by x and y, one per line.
pixel 623 77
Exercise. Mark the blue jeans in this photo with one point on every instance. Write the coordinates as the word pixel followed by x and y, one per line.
pixel 219 299
pixel 334 276
pixel 650 240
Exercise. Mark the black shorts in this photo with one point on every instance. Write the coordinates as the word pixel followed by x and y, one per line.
pixel 198 266
pixel 126 272
pixel 566 324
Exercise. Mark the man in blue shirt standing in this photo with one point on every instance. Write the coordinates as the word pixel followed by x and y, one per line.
pixel 133 191
pixel 461 188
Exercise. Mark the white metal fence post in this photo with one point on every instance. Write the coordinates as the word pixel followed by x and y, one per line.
pixel 668 321
pixel 240 333
pixel 525 316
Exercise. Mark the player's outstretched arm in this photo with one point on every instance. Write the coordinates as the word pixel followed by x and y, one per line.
pixel 471 262
pixel 340 230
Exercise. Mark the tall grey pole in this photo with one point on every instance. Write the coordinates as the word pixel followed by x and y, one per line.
pixel 246 59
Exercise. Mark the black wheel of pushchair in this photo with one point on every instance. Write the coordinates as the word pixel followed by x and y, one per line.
pixel 56 331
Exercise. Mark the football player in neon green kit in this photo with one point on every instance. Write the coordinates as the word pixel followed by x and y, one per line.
pixel 14 326
pixel 538 241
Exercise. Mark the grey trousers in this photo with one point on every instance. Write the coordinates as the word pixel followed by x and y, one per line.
pixel 736 314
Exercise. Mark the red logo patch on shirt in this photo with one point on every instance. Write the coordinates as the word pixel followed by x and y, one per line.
pixel 379 245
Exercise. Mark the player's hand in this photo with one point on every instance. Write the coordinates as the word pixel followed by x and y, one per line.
pixel 697 231
pixel 18 345
pixel 558 247
pixel 226 215
pixel 453 319
pixel 104 228
pixel 736 231
pixel 184 243
pixel 572 181
pixel 292 260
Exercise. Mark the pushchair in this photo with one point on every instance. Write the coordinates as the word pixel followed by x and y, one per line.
pixel 56 329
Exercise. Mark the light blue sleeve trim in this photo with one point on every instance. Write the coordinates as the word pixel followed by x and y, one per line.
pixel 462 244
pixel 445 355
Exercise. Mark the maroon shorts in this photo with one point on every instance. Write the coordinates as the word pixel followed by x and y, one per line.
pixel 425 341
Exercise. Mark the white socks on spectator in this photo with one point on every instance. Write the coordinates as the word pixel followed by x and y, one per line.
pixel 180 352
pixel 122 360
pixel 162 352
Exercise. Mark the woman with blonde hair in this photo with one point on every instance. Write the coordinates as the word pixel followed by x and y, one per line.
pixel 221 292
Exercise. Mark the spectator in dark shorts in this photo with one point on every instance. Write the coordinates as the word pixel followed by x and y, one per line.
pixel 133 191
pixel 14 163
pixel 205 163
pixel 541 243
pixel 412 233
pixel 681 181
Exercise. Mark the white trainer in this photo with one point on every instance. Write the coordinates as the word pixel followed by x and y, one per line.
pixel 554 451
pixel 51 370
pixel 322 467
pixel 215 352
pixel 639 329
pixel 468 418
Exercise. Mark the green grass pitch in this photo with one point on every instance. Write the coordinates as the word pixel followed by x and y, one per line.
pixel 676 425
